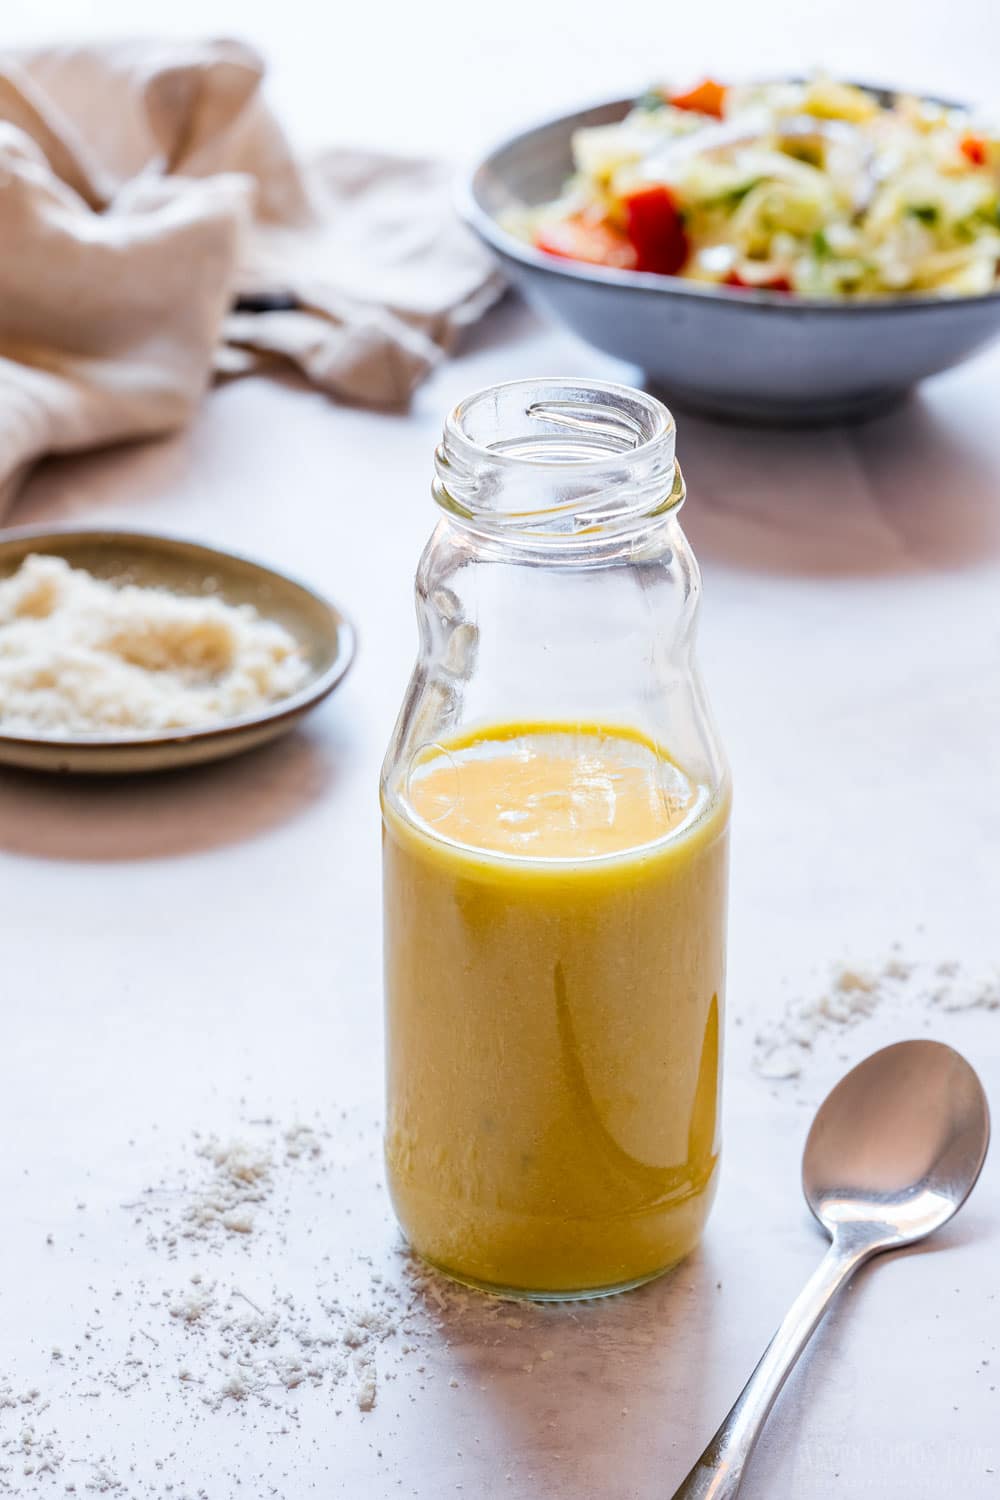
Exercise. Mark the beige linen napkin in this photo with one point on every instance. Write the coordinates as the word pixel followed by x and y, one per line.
pixel 155 227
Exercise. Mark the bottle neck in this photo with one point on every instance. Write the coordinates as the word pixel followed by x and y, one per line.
pixel 558 465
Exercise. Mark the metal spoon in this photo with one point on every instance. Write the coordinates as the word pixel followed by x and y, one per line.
pixel 893 1153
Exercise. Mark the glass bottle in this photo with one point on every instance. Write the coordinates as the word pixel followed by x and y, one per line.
pixel 555 808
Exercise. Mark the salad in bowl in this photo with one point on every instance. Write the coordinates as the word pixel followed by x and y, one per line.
pixel 816 188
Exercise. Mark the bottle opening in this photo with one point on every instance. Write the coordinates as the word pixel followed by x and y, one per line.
pixel 557 458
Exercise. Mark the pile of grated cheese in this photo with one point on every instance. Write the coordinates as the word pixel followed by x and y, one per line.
pixel 82 656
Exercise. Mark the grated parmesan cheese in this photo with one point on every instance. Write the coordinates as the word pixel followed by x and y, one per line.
pixel 82 656
pixel 785 1044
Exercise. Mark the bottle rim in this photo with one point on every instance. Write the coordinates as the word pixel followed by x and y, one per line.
pixel 557 457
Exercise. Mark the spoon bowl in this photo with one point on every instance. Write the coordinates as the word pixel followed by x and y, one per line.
pixel 898 1145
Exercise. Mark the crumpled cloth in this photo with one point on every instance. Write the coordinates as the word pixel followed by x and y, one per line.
pixel 156 229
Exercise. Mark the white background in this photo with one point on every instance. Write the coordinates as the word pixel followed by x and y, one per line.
pixel 181 953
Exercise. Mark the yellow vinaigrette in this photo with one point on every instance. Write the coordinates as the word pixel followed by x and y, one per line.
pixel 555 901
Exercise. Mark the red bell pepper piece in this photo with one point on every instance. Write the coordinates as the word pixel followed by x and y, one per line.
pixel 593 241
pixel 706 98
pixel 974 148
pixel 776 283
pixel 655 228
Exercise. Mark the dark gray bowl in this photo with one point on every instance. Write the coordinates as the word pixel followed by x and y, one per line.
pixel 760 356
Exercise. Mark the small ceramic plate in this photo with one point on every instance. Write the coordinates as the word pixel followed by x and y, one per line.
pixel 325 636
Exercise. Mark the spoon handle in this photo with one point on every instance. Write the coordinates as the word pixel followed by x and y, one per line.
pixel 718 1473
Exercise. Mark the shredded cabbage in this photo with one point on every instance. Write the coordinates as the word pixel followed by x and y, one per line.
pixel 816 188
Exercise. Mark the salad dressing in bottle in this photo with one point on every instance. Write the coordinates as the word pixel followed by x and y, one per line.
pixel 555 810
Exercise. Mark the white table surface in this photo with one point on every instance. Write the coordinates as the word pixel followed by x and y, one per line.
pixel 197 951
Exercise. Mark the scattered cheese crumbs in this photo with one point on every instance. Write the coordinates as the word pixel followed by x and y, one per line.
pixel 853 994
pixel 985 996
pixel 240 1180
pixel 783 1049
pixel 240 1222
pixel 82 656
pixel 235 1388
pixel 364 1369
pixel 190 1307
